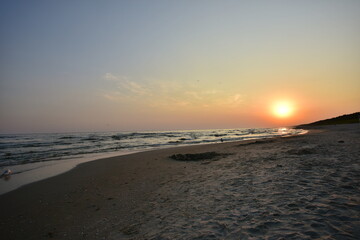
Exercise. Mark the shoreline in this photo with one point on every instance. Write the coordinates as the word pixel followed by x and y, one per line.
pixel 24 174
pixel 277 188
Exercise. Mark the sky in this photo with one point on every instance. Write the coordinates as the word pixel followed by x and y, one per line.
pixel 74 66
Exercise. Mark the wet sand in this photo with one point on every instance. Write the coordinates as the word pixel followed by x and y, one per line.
pixel 302 187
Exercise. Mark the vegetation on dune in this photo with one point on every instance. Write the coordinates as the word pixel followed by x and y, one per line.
pixel 344 119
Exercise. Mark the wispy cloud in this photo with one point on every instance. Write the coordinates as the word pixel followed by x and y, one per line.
pixel 111 77
pixel 194 95
pixel 126 86
pixel 234 100
pixel 168 94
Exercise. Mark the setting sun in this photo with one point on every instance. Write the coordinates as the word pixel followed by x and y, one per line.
pixel 282 109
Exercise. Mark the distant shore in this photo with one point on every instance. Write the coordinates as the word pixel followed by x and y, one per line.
pixel 294 188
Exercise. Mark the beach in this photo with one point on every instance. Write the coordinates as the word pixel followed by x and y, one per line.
pixel 299 187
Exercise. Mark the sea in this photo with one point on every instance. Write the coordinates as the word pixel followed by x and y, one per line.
pixel 18 149
pixel 33 157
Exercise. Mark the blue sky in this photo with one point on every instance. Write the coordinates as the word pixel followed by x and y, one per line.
pixel 127 65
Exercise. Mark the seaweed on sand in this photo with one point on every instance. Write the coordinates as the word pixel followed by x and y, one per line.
pixel 197 156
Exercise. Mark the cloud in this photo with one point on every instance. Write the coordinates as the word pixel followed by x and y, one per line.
pixel 136 88
pixel 125 86
pixel 111 97
pixel 194 95
pixel 235 99
pixel 111 77
pixel 168 94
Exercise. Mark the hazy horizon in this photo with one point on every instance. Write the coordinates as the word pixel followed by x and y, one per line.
pixel 157 129
pixel 93 66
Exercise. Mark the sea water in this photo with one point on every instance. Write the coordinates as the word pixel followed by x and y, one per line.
pixel 18 149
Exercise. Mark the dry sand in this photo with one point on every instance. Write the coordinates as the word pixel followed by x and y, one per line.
pixel 302 187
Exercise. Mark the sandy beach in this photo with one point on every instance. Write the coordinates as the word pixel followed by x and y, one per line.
pixel 301 187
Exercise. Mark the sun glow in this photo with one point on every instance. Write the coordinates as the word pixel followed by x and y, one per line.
pixel 282 109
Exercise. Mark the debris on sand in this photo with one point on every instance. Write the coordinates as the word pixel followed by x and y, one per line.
pixel 196 156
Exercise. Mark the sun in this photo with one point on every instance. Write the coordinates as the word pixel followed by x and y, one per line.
pixel 282 109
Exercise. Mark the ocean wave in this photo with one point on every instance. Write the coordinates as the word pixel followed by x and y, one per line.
pixel 67 137
pixel 133 135
pixel 20 149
